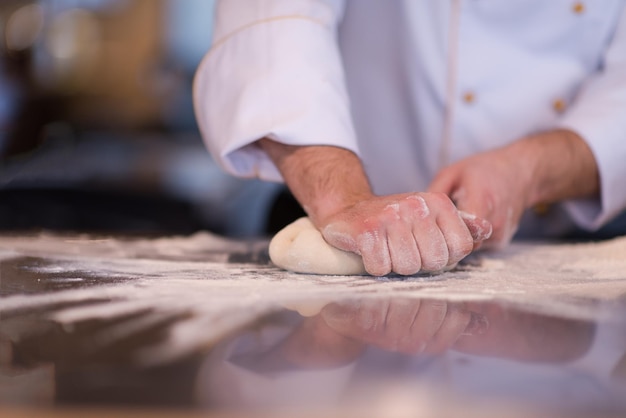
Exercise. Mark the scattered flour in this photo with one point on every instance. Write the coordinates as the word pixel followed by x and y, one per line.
pixel 215 297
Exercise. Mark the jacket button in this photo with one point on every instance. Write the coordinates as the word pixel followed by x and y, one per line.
pixel 578 7
pixel 469 97
pixel 559 105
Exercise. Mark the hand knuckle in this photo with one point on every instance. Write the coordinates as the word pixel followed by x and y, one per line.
pixel 441 201
pixel 370 223
pixel 462 249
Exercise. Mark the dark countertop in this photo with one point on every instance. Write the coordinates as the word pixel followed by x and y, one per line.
pixel 183 326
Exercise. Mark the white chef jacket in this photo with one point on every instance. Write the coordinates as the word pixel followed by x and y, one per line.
pixel 413 85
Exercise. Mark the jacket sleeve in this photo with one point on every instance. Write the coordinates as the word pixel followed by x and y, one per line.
pixel 599 117
pixel 274 70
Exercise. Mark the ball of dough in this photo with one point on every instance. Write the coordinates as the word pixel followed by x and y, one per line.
pixel 300 247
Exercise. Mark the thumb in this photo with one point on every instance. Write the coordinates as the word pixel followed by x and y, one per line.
pixel 445 182
pixel 476 210
pixel 340 235
pixel 480 228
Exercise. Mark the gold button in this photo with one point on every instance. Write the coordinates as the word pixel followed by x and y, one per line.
pixel 559 105
pixel 578 7
pixel 469 97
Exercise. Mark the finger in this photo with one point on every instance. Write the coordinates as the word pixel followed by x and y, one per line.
pixel 457 236
pixel 429 319
pixel 446 182
pixel 369 241
pixel 480 229
pixel 405 256
pixel 341 316
pixel 469 204
pixel 340 235
pixel 431 245
pixel 403 250
pixel 362 319
pixel 401 315
pixel 370 244
pixel 453 326
pixel 332 349
pixel 473 200
pixel 430 241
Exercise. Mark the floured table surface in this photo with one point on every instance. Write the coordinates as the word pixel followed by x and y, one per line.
pixel 95 321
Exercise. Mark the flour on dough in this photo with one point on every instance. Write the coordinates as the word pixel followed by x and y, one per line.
pixel 300 247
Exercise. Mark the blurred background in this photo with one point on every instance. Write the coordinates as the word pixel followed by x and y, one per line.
pixel 97 130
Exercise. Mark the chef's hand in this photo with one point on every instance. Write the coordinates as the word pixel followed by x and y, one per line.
pixel 407 326
pixel 490 185
pixel 341 331
pixel 499 185
pixel 405 233
pixel 402 233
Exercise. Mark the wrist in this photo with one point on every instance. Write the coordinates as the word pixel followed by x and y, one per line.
pixel 322 209
pixel 324 179
pixel 555 166
pixel 526 157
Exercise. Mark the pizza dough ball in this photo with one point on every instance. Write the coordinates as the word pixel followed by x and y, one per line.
pixel 300 247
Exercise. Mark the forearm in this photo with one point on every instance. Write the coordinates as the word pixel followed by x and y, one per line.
pixel 559 166
pixel 324 179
